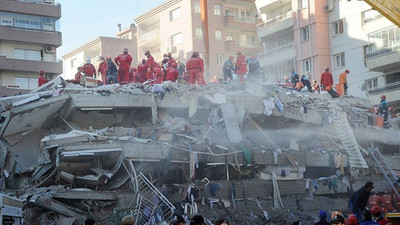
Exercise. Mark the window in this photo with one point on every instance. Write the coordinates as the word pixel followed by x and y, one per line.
pixel 199 33
pixel 307 67
pixel 26 82
pixel 230 37
pixel 305 34
pixel 338 27
pixel 392 78
pixel 197 8
pixel 249 40
pixel 339 60
pixel 28 54
pixel 220 59
pixel 176 39
pixel 218 35
pixel 217 9
pixel 175 14
pixel 303 4
pixel 373 83
pixel 244 15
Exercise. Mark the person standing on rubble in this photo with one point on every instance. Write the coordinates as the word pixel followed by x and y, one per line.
pixel 103 69
pixel 343 80
pixel 150 66
pixel 88 69
pixel 164 64
pixel 241 67
pixel 172 73
pixel 383 111
pixel 41 80
pixel 141 72
pixel 306 82
pixel 359 199
pixel 294 77
pixel 228 68
pixel 124 62
pixel 326 79
pixel 195 67
pixel 181 69
pixel 111 72
pixel 254 66
pixel 158 73
pixel 171 60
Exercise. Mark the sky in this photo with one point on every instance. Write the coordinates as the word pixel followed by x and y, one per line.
pixel 83 21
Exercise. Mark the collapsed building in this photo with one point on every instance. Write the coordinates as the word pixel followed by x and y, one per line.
pixel 266 155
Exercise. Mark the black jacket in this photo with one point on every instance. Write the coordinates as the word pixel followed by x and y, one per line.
pixel 360 198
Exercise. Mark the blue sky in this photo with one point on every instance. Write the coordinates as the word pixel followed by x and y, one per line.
pixel 83 21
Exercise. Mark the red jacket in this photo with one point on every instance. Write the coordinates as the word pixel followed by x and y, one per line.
pixel 103 68
pixel 123 61
pixel 89 69
pixel 41 80
pixel 194 63
pixel 172 74
pixel 78 75
pixel 171 62
pixel 241 66
pixel 326 79
pixel 150 62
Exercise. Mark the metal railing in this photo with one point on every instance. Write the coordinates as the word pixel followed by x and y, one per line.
pixel 33 30
pixel 382 51
pixel 275 19
pixel 388 87
pixel 239 19
pixel 35 60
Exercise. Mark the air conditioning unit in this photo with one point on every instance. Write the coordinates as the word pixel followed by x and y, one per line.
pixel 47 20
pixel 50 49
pixel 328 7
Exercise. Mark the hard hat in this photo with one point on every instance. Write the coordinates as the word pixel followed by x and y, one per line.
pixel 147 52
pixel 322 214
pixel 375 210
pixel 143 61
pixel 335 214
pixel 383 96
pixel 347 71
pixel 352 220
pixel 87 60
pixel 125 50
pixel 326 68
pixel 128 220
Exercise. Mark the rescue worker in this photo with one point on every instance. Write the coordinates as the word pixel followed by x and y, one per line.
pixel 241 66
pixel 164 64
pixel 375 200
pixel 132 75
pixel 171 60
pixel 103 70
pixel 387 200
pixel 128 220
pixel 326 79
pixel 306 82
pixel 338 220
pixel 343 80
pixel 228 68
pixel 181 68
pixel 150 65
pixel 158 73
pixel 367 218
pixel 88 69
pixel 352 220
pixel 254 65
pixel 322 218
pixel 112 77
pixel 383 111
pixel 141 72
pixel 315 86
pixel 195 66
pixel 123 61
pixel 379 216
pixel 77 77
pixel 172 73
pixel 359 200
pixel 41 80
pixel 294 77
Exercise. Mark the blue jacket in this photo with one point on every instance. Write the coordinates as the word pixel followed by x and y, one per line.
pixel 369 222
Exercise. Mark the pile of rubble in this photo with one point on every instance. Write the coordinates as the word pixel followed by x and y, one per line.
pixel 266 154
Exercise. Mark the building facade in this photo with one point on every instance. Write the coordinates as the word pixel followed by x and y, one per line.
pixel 177 27
pixel 101 46
pixel 29 37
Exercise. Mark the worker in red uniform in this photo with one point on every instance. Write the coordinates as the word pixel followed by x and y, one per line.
pixel 103 70
pixel 141 75
pixel 241 66
pixel 326 79
pixel 172 73
pixel 124 62
pixel 159 74
pixel 150 66
pixel 88 69
pixel 387 200
pixel 132 75
pixel 41 80
pixel 77 78
pixel 379 216
pixel 171 61
pixel 195 67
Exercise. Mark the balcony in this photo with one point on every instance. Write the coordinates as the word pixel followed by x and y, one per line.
pixel 245 48
pixel 275 24
pixel 278 54
pixel 30 35
pixel 384 59
pixel 6 63
pixel 392 91
pixel 40 8
pixel 247 24
pixel 149 36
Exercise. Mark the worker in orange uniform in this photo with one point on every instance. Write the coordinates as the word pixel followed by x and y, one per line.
pixel 41 80
pixel 88 69
pixel 103 69
pixel 172 73
pixel 241 66
pixel 326 79
pixel 124 62
pixel 150 66
pixel 141 75
pixel 195 66
pixel 343 80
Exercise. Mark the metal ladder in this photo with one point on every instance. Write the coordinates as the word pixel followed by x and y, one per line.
pixel 346 136
pixel 387 172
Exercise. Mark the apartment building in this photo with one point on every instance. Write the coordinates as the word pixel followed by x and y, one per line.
pixel 29 37
pixel 176 27
pixel 101 46
pixel 295 36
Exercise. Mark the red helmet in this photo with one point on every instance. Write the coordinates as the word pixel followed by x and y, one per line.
pixel 352 220
pixel 376 210
pixel 147 52
pixel 383 96
pixel 41 72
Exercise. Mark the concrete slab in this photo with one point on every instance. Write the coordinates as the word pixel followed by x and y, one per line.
pixel 231 123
